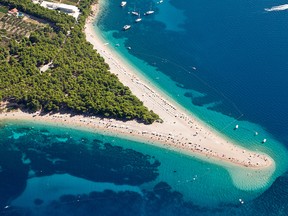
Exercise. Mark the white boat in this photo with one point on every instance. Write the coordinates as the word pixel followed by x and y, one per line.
pixel 264 141
pixel 149 12
pixel 135 13
pixel 138 19
pixel 123 3
pixel 126 27
pixel 237 126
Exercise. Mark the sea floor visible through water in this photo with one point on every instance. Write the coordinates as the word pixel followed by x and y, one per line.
pixel 205 62
pixel 175 64
pixel 48 170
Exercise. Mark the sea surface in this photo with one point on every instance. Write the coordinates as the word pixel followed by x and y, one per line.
pixel 225 61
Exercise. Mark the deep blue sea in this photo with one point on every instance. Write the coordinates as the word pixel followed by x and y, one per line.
pixel 225 61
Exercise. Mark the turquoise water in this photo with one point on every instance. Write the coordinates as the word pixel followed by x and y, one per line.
pixel 48 170
pixel 173 59
pixel 224 61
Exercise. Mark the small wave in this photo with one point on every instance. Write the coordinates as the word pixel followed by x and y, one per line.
pixel 277 8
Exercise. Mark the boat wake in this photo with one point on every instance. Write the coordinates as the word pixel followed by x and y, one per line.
pixel 277 8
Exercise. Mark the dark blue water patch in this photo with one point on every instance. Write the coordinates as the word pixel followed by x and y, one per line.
pixel 38 202
pixel 12 174
pixel 239 51
pixel 43 155
pixel 273 201
pixel 162 200
pixel 243 56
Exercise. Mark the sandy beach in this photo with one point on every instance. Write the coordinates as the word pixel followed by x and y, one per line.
pixel 180 130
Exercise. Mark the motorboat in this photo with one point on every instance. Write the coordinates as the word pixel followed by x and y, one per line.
pixel 149 12
pixel 138 20
pixel 135 13
pixel 126 27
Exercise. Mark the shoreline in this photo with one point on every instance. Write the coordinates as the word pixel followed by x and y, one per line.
pixel 180 130
pixel 173 115
pixel 117 128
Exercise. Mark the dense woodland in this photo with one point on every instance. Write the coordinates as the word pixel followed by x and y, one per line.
pixel 79 81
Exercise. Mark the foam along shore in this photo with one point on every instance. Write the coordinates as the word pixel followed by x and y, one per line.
pixel 179 131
